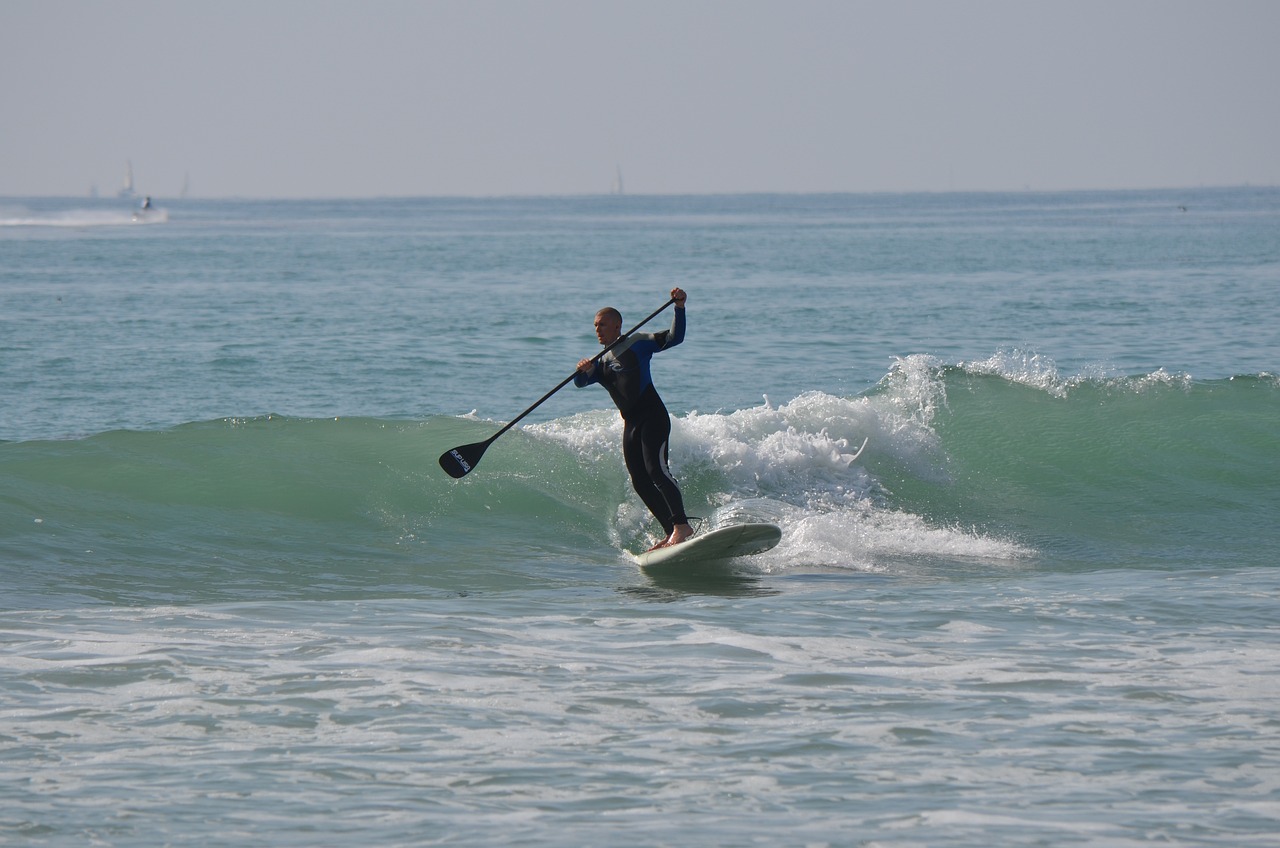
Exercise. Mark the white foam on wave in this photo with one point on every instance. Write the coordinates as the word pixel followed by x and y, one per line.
pixel 1028 368
pixel 796 464
pixel 1021 366
pixel 801 452
pixel 866 540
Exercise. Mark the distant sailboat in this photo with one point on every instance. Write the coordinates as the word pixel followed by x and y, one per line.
pixel 126 191
pixel 617 182
pixel 186 184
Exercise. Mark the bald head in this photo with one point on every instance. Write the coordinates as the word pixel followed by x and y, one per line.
pixel 608 325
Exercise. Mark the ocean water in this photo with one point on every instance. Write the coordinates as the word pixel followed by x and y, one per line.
pixel 240 603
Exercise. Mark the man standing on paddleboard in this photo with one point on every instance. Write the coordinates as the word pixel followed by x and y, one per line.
pixel 624 371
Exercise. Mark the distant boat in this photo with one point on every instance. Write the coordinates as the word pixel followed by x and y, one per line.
pixel 126 191
pixel 186 184
pixel 148 213
pixel 143 212
pixel 617 182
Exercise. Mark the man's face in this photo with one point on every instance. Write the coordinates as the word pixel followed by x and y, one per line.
pixel 608 328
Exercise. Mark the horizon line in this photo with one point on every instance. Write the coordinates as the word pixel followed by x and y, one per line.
pixel 621 198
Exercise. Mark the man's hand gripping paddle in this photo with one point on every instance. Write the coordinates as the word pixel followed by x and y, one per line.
pixel 459 461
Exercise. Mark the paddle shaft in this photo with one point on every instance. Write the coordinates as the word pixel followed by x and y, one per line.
pixel 569 379
pixel 459 461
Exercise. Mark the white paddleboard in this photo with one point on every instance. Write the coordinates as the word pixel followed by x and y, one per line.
pixel 723 543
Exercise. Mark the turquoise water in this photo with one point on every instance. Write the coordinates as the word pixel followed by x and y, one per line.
pixel 241 602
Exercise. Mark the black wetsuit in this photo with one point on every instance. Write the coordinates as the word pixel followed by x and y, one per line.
pixel 624 371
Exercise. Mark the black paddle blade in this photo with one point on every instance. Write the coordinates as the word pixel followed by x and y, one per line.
pixel 459 461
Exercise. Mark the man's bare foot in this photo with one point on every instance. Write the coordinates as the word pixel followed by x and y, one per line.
pixel 680 533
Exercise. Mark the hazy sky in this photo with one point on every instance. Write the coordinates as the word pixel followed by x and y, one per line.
pixel 314 98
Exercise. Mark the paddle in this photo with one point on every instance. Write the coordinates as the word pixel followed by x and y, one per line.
pixel 459 461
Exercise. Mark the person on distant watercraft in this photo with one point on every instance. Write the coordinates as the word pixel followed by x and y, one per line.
pixel 146 204
pixel 624 371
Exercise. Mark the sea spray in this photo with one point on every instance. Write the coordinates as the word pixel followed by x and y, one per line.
pixel 793 463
